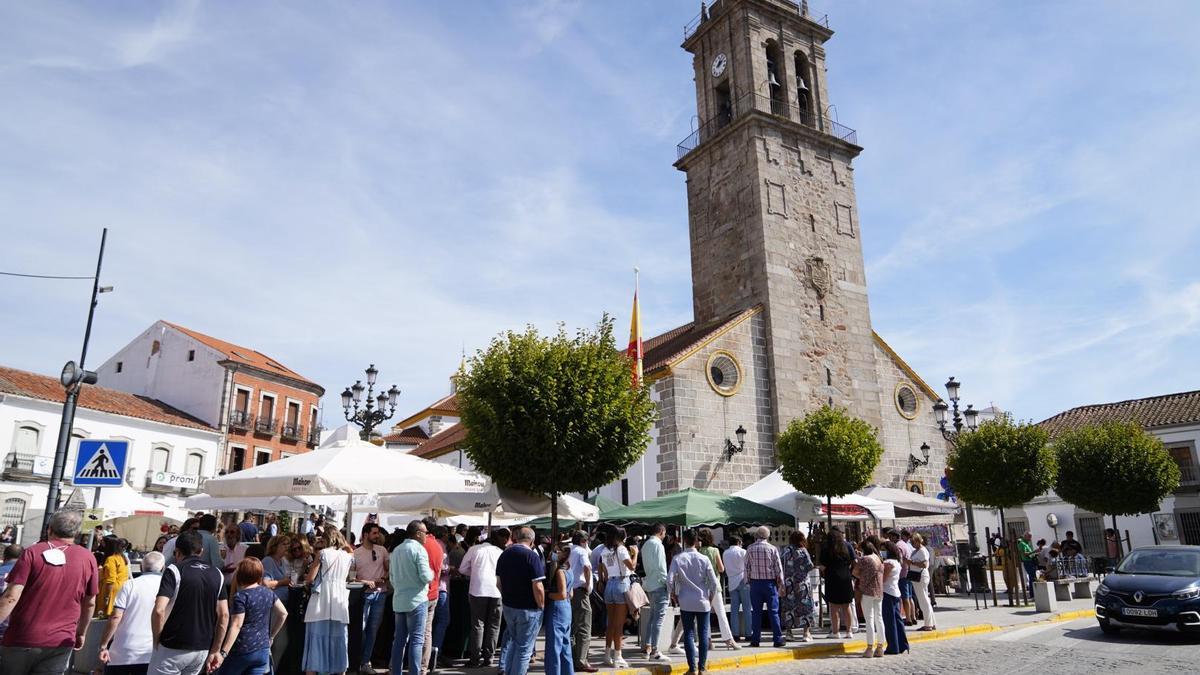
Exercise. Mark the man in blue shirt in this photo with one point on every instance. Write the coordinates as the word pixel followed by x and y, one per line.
pixel 654 562
pixel 520 573
pixel 410 575
pixel 693 583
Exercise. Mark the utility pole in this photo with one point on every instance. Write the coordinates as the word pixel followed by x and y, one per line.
pixel 73 377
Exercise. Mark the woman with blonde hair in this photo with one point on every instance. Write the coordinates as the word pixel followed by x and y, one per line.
pixel 327 618
pixel 918 566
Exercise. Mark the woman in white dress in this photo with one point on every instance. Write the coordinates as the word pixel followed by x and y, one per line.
pixel 326 621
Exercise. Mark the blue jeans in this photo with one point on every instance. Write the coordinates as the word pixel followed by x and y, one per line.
pixel 410 633
pixel 441 619
pixel 893 626
pixel 247 663
pixel 658 611
pixel 763 591
pixel 523 626
pixel 558 638
pixel 1031 567
pixel 692 620
pixel 739 598
pixel 374 605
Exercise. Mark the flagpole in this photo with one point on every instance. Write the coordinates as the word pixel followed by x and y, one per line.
pixel 637 274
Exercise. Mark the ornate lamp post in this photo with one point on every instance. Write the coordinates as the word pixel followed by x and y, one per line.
pixel 373 411
pixel 964 421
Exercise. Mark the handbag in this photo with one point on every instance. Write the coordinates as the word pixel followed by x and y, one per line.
pixel 914 576
pixel 636 598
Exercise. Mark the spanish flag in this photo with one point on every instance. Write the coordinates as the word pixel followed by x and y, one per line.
pixel 635 337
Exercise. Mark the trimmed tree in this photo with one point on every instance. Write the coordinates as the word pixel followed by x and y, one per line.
pixel 1137 469
pixel 828 452
pixel 1002 464
pixel 553 415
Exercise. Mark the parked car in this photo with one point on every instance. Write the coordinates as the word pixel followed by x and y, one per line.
pixel 1155 588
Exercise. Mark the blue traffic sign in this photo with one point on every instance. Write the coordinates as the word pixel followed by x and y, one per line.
pixel 100 463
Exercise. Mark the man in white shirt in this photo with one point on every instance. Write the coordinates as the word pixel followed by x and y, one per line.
pixel 734 558
pixel 128 641
pixel 479 564
pixel 580 571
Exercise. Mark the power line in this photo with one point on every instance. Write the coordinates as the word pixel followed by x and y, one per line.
pixel 39 276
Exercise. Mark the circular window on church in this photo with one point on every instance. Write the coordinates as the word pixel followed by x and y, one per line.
pixel 724 373
pixel 906 401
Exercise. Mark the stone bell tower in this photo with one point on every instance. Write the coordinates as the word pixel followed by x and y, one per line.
pixel 771 206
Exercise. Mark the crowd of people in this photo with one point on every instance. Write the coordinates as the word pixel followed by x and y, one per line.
pixel 244 597
pixel 1062 559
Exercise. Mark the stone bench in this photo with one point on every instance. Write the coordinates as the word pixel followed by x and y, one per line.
pixel 1043 599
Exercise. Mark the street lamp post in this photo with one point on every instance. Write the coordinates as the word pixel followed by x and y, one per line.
pixel 73 377
pixel 375 411
pixel 964 421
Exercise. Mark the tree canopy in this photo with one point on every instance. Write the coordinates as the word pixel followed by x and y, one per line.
pixel 1137 470
pixel 828 452
pixel 556 414
pixel 1002 464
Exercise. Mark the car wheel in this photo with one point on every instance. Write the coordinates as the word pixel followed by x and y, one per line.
pixel 1107 628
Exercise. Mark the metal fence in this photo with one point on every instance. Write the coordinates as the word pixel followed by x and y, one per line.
pixel 750 102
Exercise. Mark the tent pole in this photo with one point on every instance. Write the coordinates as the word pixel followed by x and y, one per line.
pixel 349 516
pixel 489 525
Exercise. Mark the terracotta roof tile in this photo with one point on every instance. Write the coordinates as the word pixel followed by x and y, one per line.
pixel 661 351
pixel 414 434
pixel 447 405
pixel 1156 411
pixel 245 355
pixel 444 441
pixel 103 399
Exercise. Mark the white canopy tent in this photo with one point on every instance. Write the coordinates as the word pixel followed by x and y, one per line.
pixel 910 504
pixel 349 467
pixel 206 502
pixel 123 500
pixel 504 504
pixel 777 493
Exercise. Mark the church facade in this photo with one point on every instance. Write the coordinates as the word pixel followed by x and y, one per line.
pixel 782 322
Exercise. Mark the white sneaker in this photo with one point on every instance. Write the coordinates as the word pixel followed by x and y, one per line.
pixel 660 657
pixel 608 657
pixel 675 649
pixel 620 662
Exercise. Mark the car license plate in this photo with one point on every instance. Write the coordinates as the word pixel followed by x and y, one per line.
pixel 1138 611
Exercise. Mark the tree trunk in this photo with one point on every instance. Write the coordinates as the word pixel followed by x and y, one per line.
pixel 553 523
pixel 828 514
pixel 1117 534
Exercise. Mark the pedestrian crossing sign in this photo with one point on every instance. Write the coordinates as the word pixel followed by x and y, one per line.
pixel 100 463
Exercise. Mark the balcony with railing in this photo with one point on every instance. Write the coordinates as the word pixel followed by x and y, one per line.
pixel 314 435
pixel 1188 474
pixel 239 419
pixel 26 466
pixel 753 102
pixel 293 432
pixel 718 8
pixel 264 426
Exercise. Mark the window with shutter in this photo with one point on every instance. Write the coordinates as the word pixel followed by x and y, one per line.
pixel 28 440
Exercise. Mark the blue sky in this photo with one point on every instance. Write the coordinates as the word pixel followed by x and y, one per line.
pixel 378 182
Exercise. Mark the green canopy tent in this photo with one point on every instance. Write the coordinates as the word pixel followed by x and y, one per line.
pixel 691 507
pixel 603 503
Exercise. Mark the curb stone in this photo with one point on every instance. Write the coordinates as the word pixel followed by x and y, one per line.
pixel 839 648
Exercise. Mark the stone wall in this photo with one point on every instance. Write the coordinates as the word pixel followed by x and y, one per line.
pixel 695 420
pixel 901 436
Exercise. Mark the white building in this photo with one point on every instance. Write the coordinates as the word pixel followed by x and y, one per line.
pixel 171 452
pixel 1173 418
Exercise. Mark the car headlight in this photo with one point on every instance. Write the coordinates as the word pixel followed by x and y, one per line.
pixel 1101 590
pixel 1189 593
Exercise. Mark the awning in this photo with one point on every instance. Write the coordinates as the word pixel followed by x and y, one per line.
pixel 691 507
pixel 910 504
